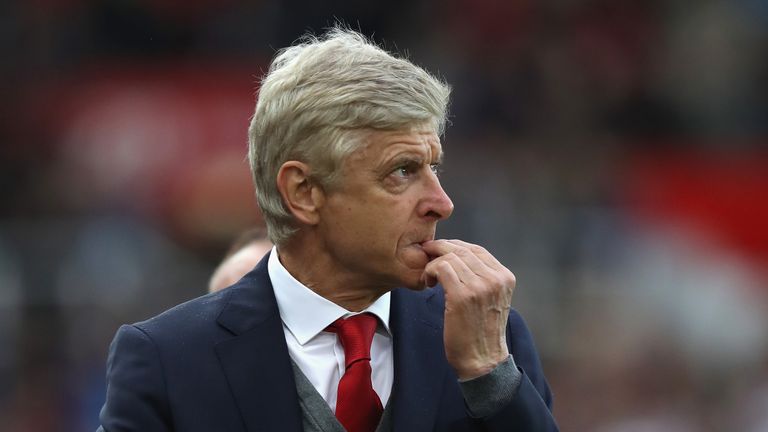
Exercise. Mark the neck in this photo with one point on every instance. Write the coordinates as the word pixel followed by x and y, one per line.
pixel 325 277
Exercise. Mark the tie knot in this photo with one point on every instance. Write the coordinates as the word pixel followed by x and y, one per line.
pixel 356 334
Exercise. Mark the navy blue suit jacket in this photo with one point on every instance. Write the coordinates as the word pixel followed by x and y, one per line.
pixel 220 363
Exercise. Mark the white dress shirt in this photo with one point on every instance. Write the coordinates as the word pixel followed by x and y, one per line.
pixel 318 353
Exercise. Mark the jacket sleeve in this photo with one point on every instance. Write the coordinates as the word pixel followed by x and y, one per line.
pixel 529 407
pixel 136 390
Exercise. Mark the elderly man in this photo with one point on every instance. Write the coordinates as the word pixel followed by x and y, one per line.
pixel 336 329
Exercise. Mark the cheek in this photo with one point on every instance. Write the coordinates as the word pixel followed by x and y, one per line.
pixel 361 228
pixel 373 222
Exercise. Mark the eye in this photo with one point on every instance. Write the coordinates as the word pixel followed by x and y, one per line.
pixel 404 171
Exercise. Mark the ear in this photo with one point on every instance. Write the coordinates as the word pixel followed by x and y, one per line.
pixel 301 196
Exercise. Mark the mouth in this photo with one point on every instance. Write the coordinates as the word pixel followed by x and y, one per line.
pixel 420 246
pixel 426 238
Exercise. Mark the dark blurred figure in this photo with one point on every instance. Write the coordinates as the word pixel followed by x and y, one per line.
pixel 246 251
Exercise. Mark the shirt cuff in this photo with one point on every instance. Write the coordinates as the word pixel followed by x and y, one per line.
pixel 487 394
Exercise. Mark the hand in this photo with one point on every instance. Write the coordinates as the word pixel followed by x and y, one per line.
pixel 478 296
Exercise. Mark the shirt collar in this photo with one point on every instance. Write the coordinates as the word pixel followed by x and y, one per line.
pixel 305 312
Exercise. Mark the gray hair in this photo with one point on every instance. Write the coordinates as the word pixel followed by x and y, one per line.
pixel 316 103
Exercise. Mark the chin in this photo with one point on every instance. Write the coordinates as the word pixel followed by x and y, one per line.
pixel 415 258
pixel 412 263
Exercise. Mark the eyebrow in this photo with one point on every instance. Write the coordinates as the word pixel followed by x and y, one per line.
pixel 411 157
pixel 411 154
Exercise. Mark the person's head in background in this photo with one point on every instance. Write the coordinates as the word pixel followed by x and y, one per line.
pixel 246 251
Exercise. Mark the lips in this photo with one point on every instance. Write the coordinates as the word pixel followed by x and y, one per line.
pixel 420 245
pixel 424 239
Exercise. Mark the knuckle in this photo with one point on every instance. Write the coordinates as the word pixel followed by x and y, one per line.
pixel 477 249
pixel 497 282
pixel 454 257
pixel 462 252
pixel 476 288
pixel 510 279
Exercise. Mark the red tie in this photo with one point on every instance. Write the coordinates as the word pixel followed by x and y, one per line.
pixel 358 407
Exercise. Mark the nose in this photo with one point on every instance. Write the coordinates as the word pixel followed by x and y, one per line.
pixel 436 203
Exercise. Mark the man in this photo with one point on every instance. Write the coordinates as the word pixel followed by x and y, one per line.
pixel 247 249
pixel 344 150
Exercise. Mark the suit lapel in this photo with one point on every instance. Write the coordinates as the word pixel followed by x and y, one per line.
pixel 256 361
pixel 420 365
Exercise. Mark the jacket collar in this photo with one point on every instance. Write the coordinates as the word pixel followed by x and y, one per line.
pixel 256 361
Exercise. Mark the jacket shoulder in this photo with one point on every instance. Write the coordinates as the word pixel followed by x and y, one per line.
pixel 193 317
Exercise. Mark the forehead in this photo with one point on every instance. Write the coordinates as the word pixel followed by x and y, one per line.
pixel 382 146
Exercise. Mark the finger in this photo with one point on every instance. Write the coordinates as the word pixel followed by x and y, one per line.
pixel 475 256
pixel 465 274
pixel 467 282
pixel 438 248
pixel 484 274
pixel 474 265
pixel 443 272
pixel 486 257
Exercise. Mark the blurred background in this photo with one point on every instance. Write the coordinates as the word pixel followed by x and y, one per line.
pixel 613 154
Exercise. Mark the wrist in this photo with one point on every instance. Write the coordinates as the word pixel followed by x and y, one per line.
pixel 479 367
